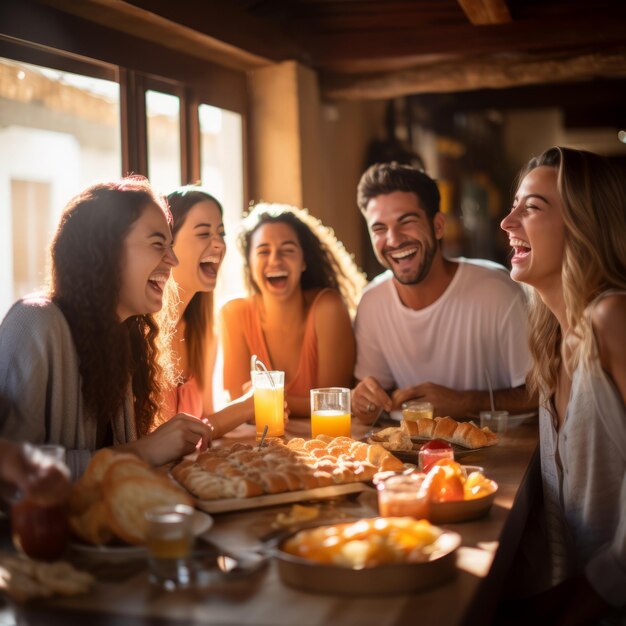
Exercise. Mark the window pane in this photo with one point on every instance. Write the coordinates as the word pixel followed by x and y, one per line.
pixel 163 120
pixel 221 163
pixel 59 132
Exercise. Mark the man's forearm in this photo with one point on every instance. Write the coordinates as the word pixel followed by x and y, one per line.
pixel 515 400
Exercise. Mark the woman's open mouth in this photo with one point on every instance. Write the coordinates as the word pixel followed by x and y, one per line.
pixel 521 250
pixel 157 282
pixel 209 265
pixel 277 279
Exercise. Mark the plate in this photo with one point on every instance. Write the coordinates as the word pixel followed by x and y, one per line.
pixel 201 523
pixel 385 579
pixel 275 499
pixel 412 456
pixel 513 422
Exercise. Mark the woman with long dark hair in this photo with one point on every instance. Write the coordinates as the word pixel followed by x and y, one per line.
pixel 198 230
pixel 80 364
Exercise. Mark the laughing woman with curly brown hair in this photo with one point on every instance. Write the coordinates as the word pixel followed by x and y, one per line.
pixel 80 364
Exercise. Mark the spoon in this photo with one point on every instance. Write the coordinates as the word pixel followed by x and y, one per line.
pixel 262 440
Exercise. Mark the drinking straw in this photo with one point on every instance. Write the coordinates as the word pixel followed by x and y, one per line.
pixel 490 386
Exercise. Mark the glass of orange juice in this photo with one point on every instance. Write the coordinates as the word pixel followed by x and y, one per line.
pixel 330 412
pixel 269 402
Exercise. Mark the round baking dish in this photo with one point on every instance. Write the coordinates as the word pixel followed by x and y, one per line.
pixel 394 578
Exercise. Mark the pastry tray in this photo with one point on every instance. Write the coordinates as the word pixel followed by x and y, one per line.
pixel 276 499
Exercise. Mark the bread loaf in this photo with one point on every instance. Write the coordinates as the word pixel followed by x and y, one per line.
pixel 247 471
pixel 465 434
pixel 108 502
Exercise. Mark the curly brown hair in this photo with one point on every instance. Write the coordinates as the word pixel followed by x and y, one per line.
pixel 85 282
pixel 328 263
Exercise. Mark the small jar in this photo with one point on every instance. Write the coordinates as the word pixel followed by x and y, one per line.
pixel 412 410
pixel 433 451
pixel 39 524
pixel 403 496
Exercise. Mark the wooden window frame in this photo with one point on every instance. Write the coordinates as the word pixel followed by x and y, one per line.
pixel 71 44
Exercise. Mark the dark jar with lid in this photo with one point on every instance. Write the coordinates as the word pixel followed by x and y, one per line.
pixel 38 529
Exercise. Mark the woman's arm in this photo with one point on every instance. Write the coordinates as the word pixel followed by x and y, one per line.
pixel 175 438
pixel 237 412
pixel 207 383
pixel 336 347
pixel 234 347
pixel 609 326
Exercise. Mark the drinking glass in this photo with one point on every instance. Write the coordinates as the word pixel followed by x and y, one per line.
pixel 269 402
pixel 170 536
pixel 400 496
pixel 496 421
pixel 416 409
pixel 330 412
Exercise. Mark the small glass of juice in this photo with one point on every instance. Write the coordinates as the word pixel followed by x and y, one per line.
pixel 403 496
pixel 416 409
pixel 330 412
pixel 170 537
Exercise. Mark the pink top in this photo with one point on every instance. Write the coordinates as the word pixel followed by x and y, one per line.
pixel 186 398
pixel 248 322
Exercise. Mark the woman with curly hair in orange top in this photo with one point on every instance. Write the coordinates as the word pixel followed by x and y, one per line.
pixel 305 287
pixel 80 364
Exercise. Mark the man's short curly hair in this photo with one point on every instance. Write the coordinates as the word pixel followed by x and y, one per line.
pixel 385 178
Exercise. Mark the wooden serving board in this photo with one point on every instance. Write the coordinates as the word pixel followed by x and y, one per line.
pixel 276 499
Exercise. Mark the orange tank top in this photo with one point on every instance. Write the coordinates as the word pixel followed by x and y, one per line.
pixel 305 378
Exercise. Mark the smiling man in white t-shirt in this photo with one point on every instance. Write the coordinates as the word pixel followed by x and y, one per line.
pixel 432 328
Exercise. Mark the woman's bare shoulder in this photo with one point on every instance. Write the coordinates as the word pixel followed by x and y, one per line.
pixel 330 308
pixel 609 326
pixel 609 316
pixel 236 306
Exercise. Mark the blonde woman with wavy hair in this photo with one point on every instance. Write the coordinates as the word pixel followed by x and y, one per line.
pixel 567 229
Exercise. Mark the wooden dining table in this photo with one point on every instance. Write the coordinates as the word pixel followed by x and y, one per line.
pixel 123 594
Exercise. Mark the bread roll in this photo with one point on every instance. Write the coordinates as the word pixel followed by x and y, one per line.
pixel 444 428
pixel 128 499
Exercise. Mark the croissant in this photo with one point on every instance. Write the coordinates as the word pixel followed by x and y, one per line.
pixel 465 434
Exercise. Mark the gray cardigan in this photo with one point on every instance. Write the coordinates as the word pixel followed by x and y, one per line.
pixel 39 375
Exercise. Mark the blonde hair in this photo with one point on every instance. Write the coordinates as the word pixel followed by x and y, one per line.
pixel 328 263
pixel 594 259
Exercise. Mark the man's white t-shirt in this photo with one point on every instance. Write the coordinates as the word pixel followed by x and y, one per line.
pixel 478 323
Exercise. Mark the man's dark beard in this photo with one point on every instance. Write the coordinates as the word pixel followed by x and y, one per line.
pixel 427 261
pixel 430 249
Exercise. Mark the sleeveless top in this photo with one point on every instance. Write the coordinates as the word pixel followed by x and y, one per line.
pixel 184 398
pixel 249 323
pixel 583 469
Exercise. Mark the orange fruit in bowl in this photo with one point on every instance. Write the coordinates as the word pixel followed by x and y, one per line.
pixel 444 484
pixel 477 486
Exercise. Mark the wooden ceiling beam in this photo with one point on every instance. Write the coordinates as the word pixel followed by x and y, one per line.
pixel 480 12
pixel 568 32
pixel 472 74
pixel 223 34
